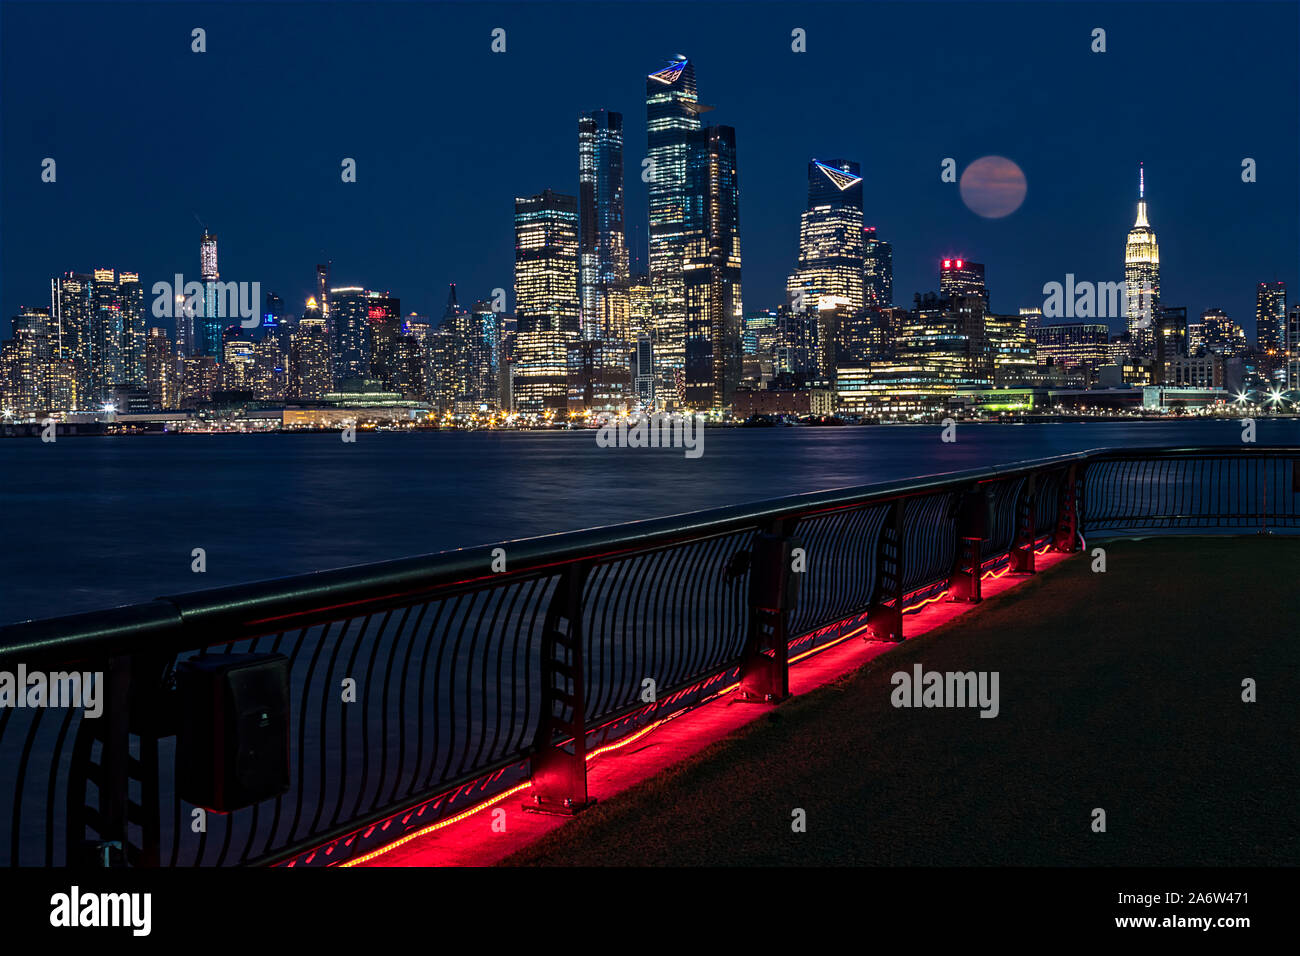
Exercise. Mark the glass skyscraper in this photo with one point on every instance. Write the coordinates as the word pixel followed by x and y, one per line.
pixel 546 300
pixel 208 335
pixel 672 114
pixel 603 257
pixel 830 272
pixel 711 276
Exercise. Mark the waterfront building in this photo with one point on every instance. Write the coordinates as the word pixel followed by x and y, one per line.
pixel 672 115
pixel 546 300
pixel 711 277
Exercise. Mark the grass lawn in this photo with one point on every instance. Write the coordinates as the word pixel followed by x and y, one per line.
pixel 1120 690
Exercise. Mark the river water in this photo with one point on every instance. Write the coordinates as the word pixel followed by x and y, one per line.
pixel 94 522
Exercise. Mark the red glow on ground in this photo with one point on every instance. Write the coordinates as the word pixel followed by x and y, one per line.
pixel 469 837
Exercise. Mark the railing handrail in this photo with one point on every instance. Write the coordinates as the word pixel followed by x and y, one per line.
pixel 223 614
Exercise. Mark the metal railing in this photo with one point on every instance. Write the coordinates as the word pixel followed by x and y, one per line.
pixel 472 678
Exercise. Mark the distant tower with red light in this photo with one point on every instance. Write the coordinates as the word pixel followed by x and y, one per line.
pixel 961 277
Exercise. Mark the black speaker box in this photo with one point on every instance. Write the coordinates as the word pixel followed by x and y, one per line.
pixel 232 735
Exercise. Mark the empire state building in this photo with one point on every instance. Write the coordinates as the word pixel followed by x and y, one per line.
pixel 1142 276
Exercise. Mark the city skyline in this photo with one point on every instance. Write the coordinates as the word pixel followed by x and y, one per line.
pixel 922 217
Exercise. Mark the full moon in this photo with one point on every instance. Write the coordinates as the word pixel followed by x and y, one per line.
pixel 993 187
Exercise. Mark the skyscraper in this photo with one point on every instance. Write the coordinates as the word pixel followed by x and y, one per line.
pixel 603 255
pixel 1291 349
pixel 70 313
pixel 211 324
pixel 27 361
pixel 1142 276
pixel 672 114
pixel 116 334
pixel 877 269
pixel 962 277
pixel 1270 316
pixel 831 267
pixel 546 299
pixel 160 369
pixel 350 333
pixel 309 374
pixel 322 290
pixel 711 263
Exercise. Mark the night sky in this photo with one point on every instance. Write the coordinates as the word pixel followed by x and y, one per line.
pixel 150 138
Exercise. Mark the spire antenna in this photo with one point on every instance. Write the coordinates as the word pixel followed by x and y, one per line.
pixel 1142 188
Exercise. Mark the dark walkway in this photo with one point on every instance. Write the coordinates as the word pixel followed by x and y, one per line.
pixel 1119 690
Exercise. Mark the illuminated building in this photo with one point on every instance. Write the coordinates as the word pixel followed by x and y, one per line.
pixel 1012 348
pixel 161 375
pixel 831 263
pixel 942 347
pixel 1206 371
pixel 877 269
pixel 760 332
pixel 672 115
pixel 308 374
pixel 1142 276
pixel 546 300
pixel 27 360
pixel 115 334
pixel 868 336
pixel 1170 339
pixel 472 356
pixel 354 316
pixel 711 280
pixel 210 323
pixel 795 346
pixel 200 377
pixel 1270 316
pixel 1222 335
pixel 269 372
pixel 1074 344
pixel 70 311
pixel 322 291
pixel 643 367
pixel 384 314
pixel 237 365
pixel 962 277
pixel 1291 346
pixel 598 377
pixel 603 261
pixel 640 307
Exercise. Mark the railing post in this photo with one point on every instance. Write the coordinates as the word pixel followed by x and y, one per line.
pixel 964 583
pixel 1022 557
pixel 1069 514
pixel 559 775
pixel 773 590
pixel 112 773
pixel 885 620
